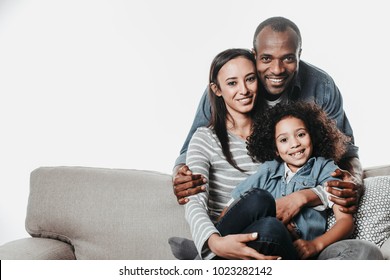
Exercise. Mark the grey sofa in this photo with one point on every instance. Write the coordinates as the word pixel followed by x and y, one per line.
pixel 99 213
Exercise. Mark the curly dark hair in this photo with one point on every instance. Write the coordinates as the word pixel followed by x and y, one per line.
pixel 328 141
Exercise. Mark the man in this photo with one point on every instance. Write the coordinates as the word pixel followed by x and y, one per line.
pixel 284 78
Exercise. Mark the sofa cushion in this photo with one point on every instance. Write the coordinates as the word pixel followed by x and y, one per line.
pixel 372 220
pixel 36 249
pixel 105 213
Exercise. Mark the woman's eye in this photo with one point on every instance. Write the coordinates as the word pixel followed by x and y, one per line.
pixel 251 79
pixel 232 83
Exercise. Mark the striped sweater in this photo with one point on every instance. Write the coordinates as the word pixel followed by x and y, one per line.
pixel 204 156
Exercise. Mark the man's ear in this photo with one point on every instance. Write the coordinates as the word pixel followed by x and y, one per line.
pixel 215 89
pixel 299 53
pixel 254 53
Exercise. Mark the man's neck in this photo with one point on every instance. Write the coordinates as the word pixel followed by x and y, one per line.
pixel 272 97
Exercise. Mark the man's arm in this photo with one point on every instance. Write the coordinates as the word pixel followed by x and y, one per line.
pixel 184 182
pixel 352 175
pixel 350 189
pixel 202 118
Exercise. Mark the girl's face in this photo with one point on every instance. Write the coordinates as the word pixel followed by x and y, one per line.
pixel 238 85
pixel 293 142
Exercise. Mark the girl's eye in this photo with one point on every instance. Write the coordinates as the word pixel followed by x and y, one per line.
pixel 302 134
pixel 283 140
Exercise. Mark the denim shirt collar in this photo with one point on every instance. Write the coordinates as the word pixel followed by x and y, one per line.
pixel 280 169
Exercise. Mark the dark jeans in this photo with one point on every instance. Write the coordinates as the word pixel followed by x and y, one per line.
pixel 256 212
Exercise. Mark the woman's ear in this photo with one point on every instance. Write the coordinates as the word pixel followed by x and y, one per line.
pixel 215 89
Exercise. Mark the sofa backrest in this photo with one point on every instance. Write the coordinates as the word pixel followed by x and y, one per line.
pixel 105 213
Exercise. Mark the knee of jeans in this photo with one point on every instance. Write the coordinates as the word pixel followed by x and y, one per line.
pixel 271 224
pixel 269 227
pixel 259 196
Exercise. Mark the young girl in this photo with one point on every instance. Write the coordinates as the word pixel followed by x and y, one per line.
pixel 298 145
pixel 218 152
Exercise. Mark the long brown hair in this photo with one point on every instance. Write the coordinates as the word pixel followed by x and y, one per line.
pixel 219 112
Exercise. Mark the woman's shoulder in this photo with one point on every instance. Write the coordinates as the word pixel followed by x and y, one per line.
pixel 204 133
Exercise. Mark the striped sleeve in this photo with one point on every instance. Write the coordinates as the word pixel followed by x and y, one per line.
pixel 199 153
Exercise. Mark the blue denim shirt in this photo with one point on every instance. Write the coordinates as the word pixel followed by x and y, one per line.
pixel 270 176
pixel 310 84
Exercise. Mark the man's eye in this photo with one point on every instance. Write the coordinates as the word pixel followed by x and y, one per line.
pixel 290 59
pixel 265 59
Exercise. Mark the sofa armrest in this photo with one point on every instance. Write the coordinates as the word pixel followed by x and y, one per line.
pixel 36 249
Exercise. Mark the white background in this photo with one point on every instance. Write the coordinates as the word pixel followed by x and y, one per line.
pixel 109 83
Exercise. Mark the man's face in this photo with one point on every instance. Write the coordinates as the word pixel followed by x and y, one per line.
pixel 277 58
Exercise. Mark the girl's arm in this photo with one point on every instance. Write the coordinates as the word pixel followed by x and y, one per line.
pixel 342 229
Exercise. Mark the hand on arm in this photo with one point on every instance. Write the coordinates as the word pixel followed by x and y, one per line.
pixel 289 206
pixel 234 247
pixel 186 184
pixel 350 189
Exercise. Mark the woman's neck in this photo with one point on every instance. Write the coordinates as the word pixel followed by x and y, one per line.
pixel 240 125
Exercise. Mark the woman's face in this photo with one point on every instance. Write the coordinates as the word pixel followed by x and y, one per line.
pixel 237 85
pixel 293 142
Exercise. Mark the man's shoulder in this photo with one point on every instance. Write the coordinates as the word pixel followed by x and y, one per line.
pixel 309 70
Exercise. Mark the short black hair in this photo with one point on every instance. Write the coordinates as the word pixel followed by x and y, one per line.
pixel 278 24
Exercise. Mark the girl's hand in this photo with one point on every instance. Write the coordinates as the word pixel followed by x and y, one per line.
pixel 306 249
pixel 234 246
pixel 287 207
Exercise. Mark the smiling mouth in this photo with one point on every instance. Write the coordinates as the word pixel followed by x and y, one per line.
pixel 297 154
pixel 276 81
pixel 245 99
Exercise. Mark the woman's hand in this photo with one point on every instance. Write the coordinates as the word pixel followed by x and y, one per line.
pixel 234 247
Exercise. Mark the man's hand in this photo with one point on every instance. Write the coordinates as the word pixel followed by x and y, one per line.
pixel 347 191
pixel 234 247
pixel 185 183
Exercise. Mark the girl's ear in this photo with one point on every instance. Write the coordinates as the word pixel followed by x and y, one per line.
pixel 215 89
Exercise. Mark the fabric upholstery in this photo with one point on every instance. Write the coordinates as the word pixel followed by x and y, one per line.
pixel 372 220
pixel 37 249
pixel 105 213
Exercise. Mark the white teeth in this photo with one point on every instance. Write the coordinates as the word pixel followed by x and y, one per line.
pixel 276 80
pixel 297 154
